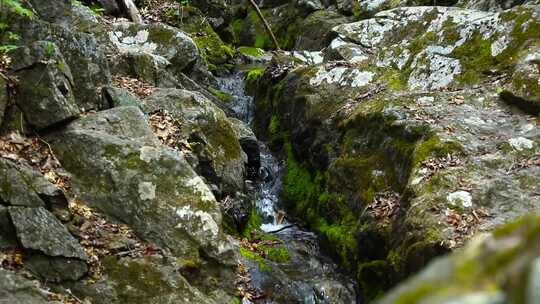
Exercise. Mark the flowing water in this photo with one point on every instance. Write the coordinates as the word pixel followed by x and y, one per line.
pixel 309 276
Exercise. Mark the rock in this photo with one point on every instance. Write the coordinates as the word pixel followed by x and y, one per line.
pixel 450 47
pixel 250 145
pixel 57 254
pixel 110 6
pixel 220 157
pixel 145 51
pixel 16 190
pixel 53 11
pixel 493 6
pixel 216 53
pixel 315 30
pixel 119 168
pixel 23 186
pixel 118 97
pixel 141 280
pixel 506 261
pixel 524 90
pixel 219 10
pixel 7 233
pixel 365 132
pixel 82 53
pixel 16 289
pixel 45 87
pixel 55 269
pixel 39 230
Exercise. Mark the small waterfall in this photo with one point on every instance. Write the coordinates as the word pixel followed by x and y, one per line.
pixel 310 277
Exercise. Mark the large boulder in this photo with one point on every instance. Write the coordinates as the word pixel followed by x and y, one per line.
pixel 220 158
pixel 58 255
pixel 82 53
pixel 502 267
pixel 156 53
pixel 146 280
pixel 385 162
pixel 119 167
pixel 45 86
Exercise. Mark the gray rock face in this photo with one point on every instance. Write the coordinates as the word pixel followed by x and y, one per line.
pixel 45 84
pixel 145 51
pixel 56 269
pixel 506 261
pixel 40 230
pixel 143 280
pixel 58 11
pixel 438 47
pixel 16 289
pixel 120 169
pixel 524 89
pixel 220 157
pixel 118 97
pixel 22 186
pixel 82 53
pixel 16 190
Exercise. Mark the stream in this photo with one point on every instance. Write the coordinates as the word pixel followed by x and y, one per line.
pixel 309 276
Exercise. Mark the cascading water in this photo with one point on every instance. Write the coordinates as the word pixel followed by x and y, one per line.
pixel 309 277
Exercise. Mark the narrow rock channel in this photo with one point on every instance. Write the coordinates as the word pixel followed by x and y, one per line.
pixel 309 275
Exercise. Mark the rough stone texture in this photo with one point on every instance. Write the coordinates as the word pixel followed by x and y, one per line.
pixel 142 280
pixel 120 169
pixel 16 289
pixel 524 90
pixel 250 145
pixel 315 30
pixel 53 11
pixel 40 230
pixel 493 5
pixel 45 83
pixel 436 47
pixel 382 128
pixel 145 51
pixel 55 269
pixel 118 97
pixel 497 268
pixel 15 189
pixel 220 157
pixel 82 53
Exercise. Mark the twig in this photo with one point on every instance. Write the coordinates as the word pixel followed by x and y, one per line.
pixel 266 25
pixel 281 229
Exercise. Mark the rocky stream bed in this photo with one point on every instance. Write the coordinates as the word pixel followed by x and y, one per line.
pixel 388 152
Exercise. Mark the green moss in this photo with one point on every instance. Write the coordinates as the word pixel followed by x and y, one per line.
pixel 254 224
pixel 251 51
pixel 276 253
pixel 273 127
pixel 254 74
pixel 223 96
pixel 256 258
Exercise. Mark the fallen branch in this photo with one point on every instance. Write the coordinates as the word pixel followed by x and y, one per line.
pixel 266 25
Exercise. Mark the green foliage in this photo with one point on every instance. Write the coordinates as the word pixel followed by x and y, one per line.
pixel 97 9
pixel 7 37
pixel 254 223
pixel 256 258
pixel 16 7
